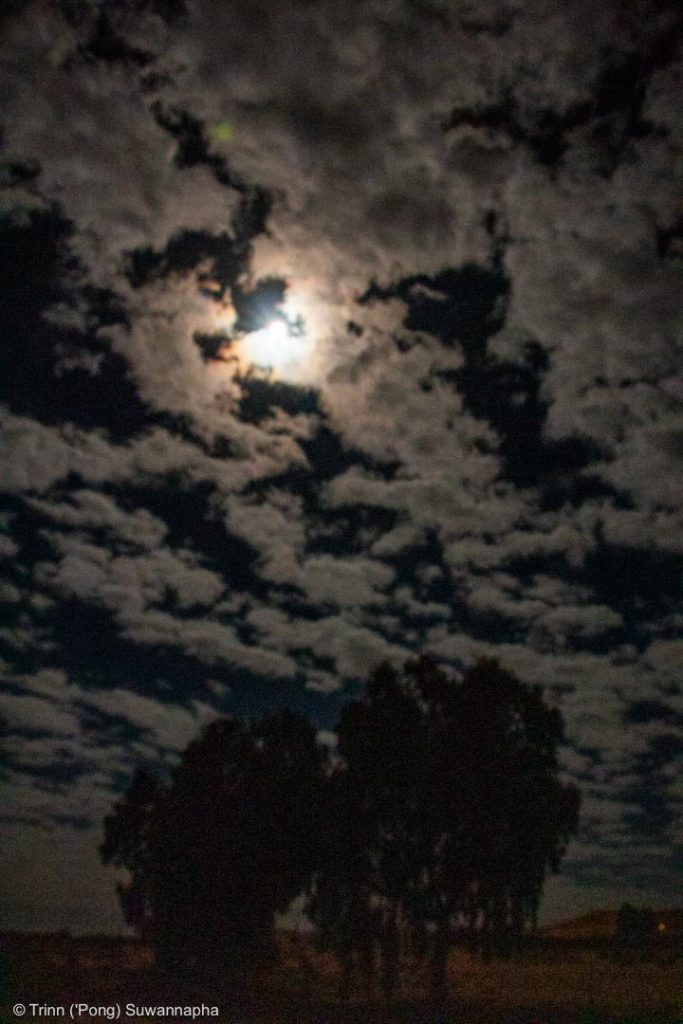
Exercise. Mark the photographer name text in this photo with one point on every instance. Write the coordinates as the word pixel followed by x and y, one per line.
pixel 113 1011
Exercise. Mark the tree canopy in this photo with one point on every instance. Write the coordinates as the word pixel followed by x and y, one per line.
pixel 450 793
pixel 213 855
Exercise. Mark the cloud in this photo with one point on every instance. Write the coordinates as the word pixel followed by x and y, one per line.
pixel 36 715
pixel 170 728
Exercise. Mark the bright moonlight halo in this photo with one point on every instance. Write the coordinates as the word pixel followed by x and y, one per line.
pixel 276 346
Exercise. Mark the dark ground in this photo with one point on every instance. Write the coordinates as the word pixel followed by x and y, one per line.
pixel 552 982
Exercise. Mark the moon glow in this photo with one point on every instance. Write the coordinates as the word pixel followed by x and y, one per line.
pixel 276 346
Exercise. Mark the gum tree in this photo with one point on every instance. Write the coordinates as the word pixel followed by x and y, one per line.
pixel 449 792
pixel 227 843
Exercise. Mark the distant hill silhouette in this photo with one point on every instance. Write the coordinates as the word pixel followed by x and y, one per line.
pixel 595 924
pixel 602 924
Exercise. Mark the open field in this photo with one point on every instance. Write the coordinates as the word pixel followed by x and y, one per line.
pixel 553 982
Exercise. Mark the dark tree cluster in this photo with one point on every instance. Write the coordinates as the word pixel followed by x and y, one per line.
pixel 232 840
pixel 436 818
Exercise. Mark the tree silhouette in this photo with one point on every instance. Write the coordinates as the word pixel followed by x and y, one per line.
pixel 498 818
pixel 449 793
pixel 129 843
pixel 229 842
pixel 340 901
pixel 369 857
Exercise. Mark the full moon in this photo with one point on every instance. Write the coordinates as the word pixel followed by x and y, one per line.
pixel 275 346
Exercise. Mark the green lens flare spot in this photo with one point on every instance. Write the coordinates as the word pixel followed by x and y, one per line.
pixel 222 132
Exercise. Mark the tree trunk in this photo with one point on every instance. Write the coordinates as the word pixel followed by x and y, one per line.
pixel 367 967
pixel 390 949
pixel 440 961
pixel 346 976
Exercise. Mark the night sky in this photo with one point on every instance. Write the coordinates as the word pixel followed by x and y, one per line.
pixel 465 220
